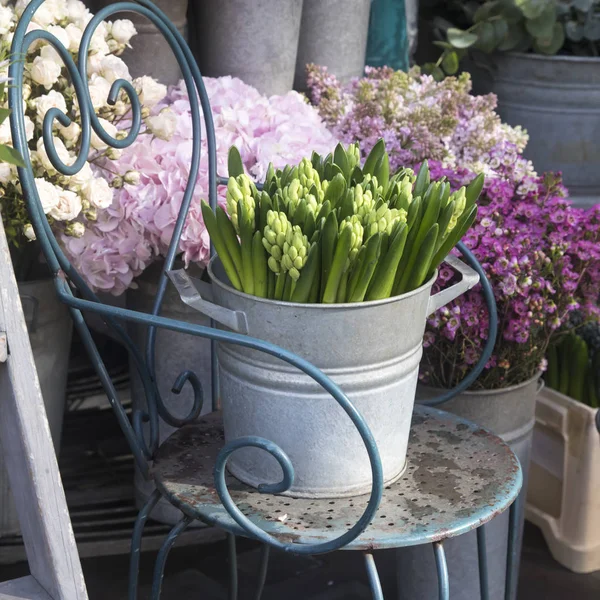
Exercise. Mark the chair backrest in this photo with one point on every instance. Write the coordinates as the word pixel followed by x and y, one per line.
pixel 75 293
pixel 31 461
pixel 68 281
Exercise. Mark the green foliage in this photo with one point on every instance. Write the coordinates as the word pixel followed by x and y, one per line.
pixel 542 26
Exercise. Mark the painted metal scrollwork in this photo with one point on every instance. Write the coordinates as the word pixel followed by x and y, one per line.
pixel 68 281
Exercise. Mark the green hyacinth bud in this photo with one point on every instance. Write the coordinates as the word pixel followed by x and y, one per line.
pixel 353 154
pixel 354 223
pixel 240 189
pixel 295 251
pixel 274 238
pixel 460 200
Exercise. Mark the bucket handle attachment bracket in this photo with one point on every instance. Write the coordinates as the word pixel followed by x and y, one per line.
pixel 470 278
pixel 189 289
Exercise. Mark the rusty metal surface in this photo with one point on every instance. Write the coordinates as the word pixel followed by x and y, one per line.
pixel 458 477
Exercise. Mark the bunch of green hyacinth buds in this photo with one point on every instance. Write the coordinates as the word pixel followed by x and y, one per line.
pixel 328 230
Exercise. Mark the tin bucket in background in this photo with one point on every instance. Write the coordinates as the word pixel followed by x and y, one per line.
pixel 371 350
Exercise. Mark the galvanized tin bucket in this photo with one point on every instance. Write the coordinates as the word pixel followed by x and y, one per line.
pixel 371 350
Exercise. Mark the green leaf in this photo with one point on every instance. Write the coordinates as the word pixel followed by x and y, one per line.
pixel 574 31
pixel 11 156
pixel 500 31
pixel 510 13
pixel 583 5
pixel 487 10
pixel 450 63
pixel 444 45
pixel 542 27
pixel 486 33
pixel 461 39
pixel 554 44
pixel 532 9
pixel 4 113
pixel 515 37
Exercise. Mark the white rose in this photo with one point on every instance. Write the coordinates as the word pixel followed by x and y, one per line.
pixel 80 178
pixel 113 68
pixel 77 11
pixel 163 124
pixel 98 193
pixel 6 19
pixel 48 193
pixel 68 208
pixel 5 137
pixel 98 41
pixel 61 150
pixel 149 90
pixel 29 128
pixel 75 34
pixel 6 173
pixel 94 63
pixel 48 52
pixel 123 30
pixel 43 15
pixel 43 104
pixel 45 71
pixel 96 142
pixel 28 232
pixel 99 89
pixel 70 133
pixel 60 34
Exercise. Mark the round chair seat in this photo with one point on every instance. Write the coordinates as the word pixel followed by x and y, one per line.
pixel 458 477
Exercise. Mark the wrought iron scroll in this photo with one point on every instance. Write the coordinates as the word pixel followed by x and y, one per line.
pixel 67 280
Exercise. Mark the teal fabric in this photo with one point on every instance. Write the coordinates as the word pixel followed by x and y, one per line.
pixel 388 39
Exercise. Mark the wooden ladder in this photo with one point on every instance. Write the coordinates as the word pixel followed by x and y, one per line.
pixel 31 462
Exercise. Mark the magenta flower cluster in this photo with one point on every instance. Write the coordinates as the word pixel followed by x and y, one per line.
pixel 137 228
pixel 542 257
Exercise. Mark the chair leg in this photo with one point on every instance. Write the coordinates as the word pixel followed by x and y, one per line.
pixel 442 571
pixel 512 562
pixel 373 575
pixel 136 543
pixel 233 571
pixel 262 571
pixel 483 566
pixel 163 553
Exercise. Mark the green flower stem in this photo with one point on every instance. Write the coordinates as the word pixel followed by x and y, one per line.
pixel 210 221
pixel 371 256
pixel 279 285
pixel 424 256
pixel 259 266
pixel 383 280
pixel 329 238
pixel 271 278
pixel 309 272
pixel 338 265
pixel 230 239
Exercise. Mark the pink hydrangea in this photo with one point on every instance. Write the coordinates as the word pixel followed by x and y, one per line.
pixel 139 226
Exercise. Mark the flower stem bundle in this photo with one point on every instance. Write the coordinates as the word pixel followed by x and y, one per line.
pixel 329 231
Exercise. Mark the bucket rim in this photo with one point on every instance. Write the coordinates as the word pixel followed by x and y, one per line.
pixel 316 305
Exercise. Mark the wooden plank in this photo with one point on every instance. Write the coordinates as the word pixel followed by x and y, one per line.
pixel 29 454
pixel 25 588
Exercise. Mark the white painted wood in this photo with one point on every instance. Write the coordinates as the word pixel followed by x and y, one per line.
pixel 3 347
pixel 29 455
pixel 25 588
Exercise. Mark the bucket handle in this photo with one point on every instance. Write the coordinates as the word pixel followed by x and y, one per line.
pixel 189 289
pixel 470 278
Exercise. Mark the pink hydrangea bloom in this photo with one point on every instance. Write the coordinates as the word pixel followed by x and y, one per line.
pixel 139 226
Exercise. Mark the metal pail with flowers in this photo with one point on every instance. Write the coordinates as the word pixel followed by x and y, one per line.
pixel 371 350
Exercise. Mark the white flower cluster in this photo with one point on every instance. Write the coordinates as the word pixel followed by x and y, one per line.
pixel 70 202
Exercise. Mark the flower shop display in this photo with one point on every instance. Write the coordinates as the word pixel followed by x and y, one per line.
pixel 545 53
pixel 540 254
pixel 116 253
pixel 255 41
pixel 329 249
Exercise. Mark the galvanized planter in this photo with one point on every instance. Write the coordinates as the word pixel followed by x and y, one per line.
pixel 371 349
pixel 256 41
pixel 345 57
pixel 510 413
pixel 557 99
pixel 150 53
pixel 50 328
pixel 174 353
